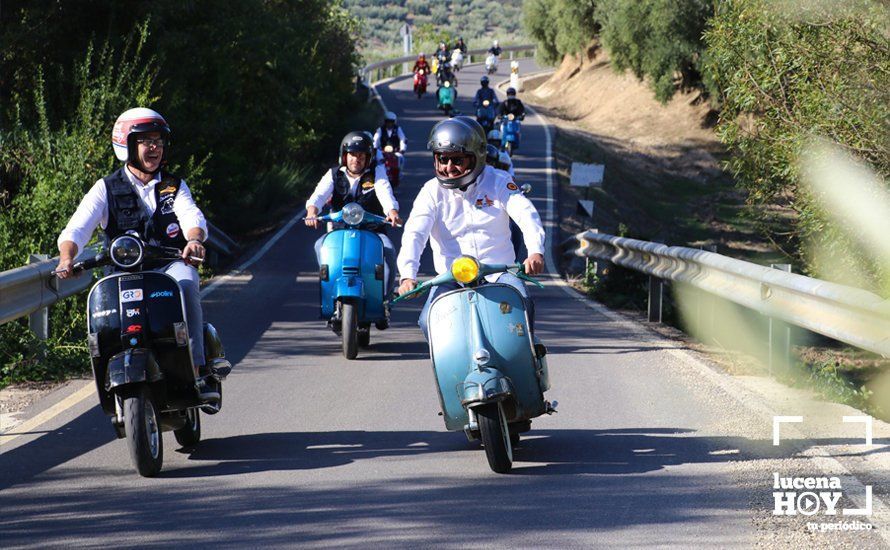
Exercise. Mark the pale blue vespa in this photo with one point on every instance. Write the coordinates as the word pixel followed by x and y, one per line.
pixel 491 372
pixel 351 275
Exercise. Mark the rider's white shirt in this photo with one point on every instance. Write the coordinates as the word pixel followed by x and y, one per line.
pixel 325 188
pixel 93 210
pixel 403 143
pixel 475 222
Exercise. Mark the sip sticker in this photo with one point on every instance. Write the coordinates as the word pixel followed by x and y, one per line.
pixel 131 295
pixel 173 230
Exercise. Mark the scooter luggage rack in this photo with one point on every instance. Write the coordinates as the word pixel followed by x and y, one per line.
pixel 504 383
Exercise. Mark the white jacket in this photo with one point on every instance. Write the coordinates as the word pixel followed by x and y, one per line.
pixel 475 222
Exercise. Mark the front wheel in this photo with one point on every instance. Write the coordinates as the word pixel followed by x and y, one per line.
pixel 143 432
pixel 349 316
pixel 190 434
pixel 495 437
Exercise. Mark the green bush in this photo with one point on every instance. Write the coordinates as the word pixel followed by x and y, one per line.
pixel 660 40
pixel 784 77
pixel 559 27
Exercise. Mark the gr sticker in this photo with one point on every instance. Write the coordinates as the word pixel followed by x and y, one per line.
pixel 173 230
pixel 131 295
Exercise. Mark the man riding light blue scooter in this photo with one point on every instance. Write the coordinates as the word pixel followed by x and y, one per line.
pixel 490 370
pixel 355 262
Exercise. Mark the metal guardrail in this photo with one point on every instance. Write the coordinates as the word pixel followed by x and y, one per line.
pixel 31 288
pixel 381 69
pixel 851 315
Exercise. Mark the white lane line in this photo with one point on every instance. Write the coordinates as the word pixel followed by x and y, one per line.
pixel 48 414
pixel 256 257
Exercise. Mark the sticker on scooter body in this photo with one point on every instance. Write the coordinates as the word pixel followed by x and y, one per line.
pixel 131 295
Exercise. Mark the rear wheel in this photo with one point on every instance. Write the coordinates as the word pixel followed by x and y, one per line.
pixel 143 432
pixel 349 317
pixel 495 437
pixel 190 434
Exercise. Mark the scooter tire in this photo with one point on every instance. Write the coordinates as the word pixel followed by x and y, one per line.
pixel 190 434
pixel 143 429
pixel 495 437
pixel 349 315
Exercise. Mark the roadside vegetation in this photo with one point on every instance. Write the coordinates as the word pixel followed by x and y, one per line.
pixel 477 21
pixel 778 77
pixel 257 96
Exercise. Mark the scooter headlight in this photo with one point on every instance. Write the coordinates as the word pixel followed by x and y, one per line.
pixel 465 269
pixel 485 103
pixel 511 116
pixel 126 251
pixel 352 214
pixel 388 149
pixel 482 356
pixel 447 84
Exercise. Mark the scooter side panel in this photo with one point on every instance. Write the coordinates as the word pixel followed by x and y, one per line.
pixel 451 351
pixel 505 324
pixel 352 253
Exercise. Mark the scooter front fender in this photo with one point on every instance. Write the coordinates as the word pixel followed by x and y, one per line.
pixel 349 287
pixel 486 385
pixel 132 366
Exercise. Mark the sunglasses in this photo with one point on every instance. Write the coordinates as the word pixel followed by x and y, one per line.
pixel 456 161
pixel 151 142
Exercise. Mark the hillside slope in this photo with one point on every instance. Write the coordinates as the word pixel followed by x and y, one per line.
pixel 663 179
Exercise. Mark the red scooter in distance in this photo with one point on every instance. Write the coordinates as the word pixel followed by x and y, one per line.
pixel 420 83
pixel 391 161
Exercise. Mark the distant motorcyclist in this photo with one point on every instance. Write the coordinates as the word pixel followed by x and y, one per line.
pixel 485 92
pixel 442 53
pixel 504 161
pixel 495 50
pixel 446 74
pixel 496 159
pixel 460 45
pixel 391 134
pixel 421 64
pixel 512 106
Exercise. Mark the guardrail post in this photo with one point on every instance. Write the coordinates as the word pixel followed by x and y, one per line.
pixel 706 305
pixel 656 287
pixel 511 54
pixel 38 321
pixel 779 335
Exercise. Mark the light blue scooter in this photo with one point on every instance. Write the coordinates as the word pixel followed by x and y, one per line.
pixel 352 277
pixel 510 133
pixel 491 373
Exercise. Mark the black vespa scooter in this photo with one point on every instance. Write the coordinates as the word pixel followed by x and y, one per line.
pixel 141 353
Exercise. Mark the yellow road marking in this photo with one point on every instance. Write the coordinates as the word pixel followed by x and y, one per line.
pixel 48 414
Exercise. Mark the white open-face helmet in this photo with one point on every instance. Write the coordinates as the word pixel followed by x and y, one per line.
pixel 129 125
pixel 494 43
pixel 390 116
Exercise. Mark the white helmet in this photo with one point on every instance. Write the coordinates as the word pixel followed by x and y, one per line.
pixel 494 43
pixel 389 115
pixel 129 125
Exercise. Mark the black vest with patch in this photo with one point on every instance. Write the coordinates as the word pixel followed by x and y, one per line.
pixel 386 139
pixel 126 211
pixel 366 195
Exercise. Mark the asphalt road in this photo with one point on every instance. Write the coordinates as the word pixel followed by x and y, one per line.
pixel 311 449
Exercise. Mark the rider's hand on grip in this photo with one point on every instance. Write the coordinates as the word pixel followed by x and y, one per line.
pixel 534 264
pixel 65 269
pixel 407 286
